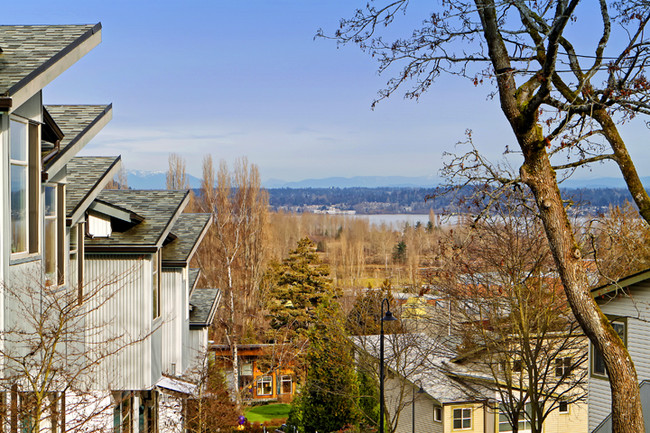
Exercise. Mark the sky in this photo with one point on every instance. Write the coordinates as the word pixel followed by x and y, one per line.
pixel 247 79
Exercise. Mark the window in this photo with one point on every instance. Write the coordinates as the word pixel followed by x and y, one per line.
pixel 286 384
pixel 265 385
pixel 562 366
pixel 25 186
pixel 123 414
pixel 19 186
pixel 597 361
pixel 523 424
pixel 155 263
pixel 437 414
pixel 247 368
pixel 563 407
pixel 517 365
pixel 462 418
pixel 50 235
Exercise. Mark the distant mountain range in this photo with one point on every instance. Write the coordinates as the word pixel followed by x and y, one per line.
pixel 141 179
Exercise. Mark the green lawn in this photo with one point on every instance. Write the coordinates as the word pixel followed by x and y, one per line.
pixel 267 412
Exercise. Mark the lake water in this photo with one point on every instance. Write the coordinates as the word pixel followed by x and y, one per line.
pixel 399 220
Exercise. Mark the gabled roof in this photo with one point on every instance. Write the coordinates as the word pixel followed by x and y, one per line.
pixel 204 304
pixel 424 361
pixel 159 208
pixel 189 231
pixel 79 124
pixel 621 283
pixel 87 176
pixel 193 278
pixel 33 56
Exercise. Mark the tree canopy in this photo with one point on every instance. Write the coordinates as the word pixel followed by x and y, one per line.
pixel 566 74
pixel 298 286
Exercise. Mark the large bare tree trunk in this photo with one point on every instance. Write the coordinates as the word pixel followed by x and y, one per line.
pixel 520 106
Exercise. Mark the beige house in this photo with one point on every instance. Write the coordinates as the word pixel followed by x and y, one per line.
pixel 459 395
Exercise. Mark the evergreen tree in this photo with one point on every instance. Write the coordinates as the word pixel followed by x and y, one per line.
pixel 328 401
pixel 298 286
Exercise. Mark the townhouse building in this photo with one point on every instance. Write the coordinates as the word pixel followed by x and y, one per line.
pixel 95 301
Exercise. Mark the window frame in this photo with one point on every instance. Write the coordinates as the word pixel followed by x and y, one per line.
pixel 32 163
pixel 596 357
pixel 563 366
pixel 261 381
pixel 50 234
pixel 23 163
pixel 462 418
pixel 524 424
pixel 437 413
pixel 155 283
pixel 566 407
pixel 283 381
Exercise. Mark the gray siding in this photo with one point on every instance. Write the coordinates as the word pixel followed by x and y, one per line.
pixel 120 313
pixel 636 308
pixel 172 319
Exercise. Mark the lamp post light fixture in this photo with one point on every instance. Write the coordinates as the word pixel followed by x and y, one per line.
pixel 387 317
pixel 420 391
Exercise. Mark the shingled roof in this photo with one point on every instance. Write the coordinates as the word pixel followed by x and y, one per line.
pixel 193 278
pixel 189 230
pixel 79 124
pixel 160 210
pixel 204 304
pixel 29 52
pixel 86 177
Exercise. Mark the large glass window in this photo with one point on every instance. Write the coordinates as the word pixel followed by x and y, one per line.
pixel 50 232
pixel 19 186
pixel 462 418
pixel 597 362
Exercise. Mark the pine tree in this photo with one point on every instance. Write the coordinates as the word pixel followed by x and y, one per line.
pixel 328 400
pixel 298 286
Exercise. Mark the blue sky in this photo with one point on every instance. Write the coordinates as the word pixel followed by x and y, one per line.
pixel 246 78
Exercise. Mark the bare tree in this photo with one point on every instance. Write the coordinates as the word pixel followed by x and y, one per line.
pixel 513 317
pixel 233 254
pixel 53 349
pixel 561 101
pixel 120 181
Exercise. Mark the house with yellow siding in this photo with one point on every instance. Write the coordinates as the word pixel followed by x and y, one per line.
pixel 426 389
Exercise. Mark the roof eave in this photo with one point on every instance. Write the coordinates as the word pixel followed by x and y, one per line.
pixel 120 248
pixel 172 221
pixel 80 141
pixel 621 284
pixel 78 212
pixel 52 68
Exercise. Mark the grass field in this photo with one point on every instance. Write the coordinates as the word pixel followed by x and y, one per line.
pixel 267 412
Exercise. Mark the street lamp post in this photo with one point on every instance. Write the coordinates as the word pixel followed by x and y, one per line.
pixel 388 317
pixel 420 391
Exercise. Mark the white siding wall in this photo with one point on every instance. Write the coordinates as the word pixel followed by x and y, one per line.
pixel 172 306
pixel 198 345
pixel 120 312
pixel 636 308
